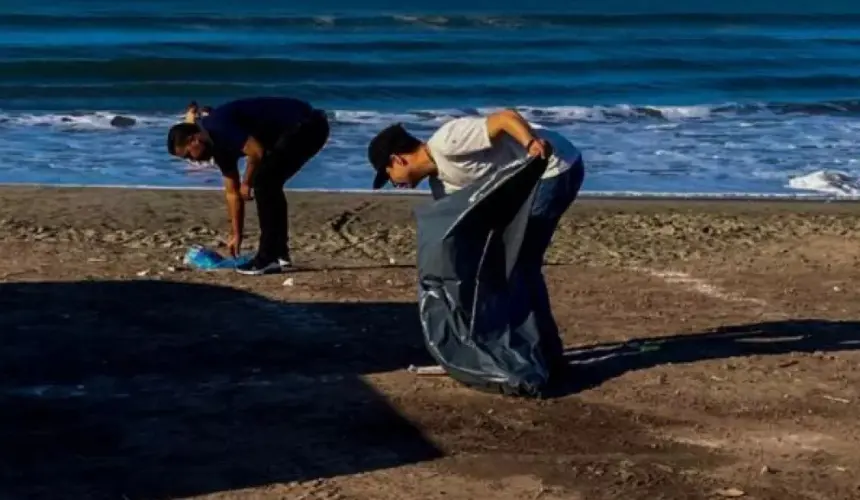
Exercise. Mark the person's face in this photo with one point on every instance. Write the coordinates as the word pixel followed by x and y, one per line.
pixel 196 149
pixel 404 171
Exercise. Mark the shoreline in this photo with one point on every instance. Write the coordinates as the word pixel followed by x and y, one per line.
pixel 584 195
pixel 364 228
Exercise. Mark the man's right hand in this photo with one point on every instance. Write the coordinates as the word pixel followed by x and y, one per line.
pixel 234 246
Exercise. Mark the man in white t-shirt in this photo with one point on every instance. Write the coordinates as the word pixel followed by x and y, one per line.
pixel 464 150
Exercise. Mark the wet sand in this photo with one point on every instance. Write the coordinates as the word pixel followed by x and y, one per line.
pixel 713 349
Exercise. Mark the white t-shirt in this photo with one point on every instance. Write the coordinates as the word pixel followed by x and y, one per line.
pixel 463 153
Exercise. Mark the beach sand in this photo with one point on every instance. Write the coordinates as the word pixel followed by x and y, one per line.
pixel 713 349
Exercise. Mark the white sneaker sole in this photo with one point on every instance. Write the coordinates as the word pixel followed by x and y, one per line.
pixel 273 268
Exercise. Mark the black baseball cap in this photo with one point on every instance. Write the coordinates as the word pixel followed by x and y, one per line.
pixel 393 139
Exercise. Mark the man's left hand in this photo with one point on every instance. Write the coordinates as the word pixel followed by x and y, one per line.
pixel 245 191
pixel 540 148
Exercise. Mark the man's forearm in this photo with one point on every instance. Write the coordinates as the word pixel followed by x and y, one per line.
pixel 236 212
pixel 512 123
pixel 251 164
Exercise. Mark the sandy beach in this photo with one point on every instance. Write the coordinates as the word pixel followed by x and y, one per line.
pixel 713 352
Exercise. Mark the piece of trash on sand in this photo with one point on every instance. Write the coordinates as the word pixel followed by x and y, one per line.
pixel 289 282
pixel 392 261
pixel 143 273
pixel 730 493
pixel 96 259
pixel 427 370
pixel 838 400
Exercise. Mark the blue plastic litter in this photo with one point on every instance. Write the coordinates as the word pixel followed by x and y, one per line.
pixel 200 257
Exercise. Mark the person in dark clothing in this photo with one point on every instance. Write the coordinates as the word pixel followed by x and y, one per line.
pixel 277 136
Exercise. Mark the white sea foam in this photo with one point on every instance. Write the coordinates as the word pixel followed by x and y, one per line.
pixel 828 182
pixel 725 150
pixel 97 120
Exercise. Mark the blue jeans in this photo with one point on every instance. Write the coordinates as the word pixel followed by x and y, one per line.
pixel 554 196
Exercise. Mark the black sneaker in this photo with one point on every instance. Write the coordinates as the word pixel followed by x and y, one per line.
pixel 255 267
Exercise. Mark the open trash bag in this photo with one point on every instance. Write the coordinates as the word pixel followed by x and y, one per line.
pixel 476 318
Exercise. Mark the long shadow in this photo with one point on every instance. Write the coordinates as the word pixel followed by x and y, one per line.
pixel 594 365
pixel 149 389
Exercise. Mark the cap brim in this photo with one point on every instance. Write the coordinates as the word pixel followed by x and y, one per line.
pixel 380 180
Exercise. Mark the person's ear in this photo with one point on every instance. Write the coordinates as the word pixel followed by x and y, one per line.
pixel 397 160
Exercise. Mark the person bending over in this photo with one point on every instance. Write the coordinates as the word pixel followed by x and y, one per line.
pixel 462 151
pixel 277 136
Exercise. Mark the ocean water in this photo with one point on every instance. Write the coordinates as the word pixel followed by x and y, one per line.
pixel 741 97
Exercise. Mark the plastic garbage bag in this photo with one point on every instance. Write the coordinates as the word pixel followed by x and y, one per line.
pixel 200 257
pixel 476 318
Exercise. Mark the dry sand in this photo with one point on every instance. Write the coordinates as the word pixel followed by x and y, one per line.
pixel 713 350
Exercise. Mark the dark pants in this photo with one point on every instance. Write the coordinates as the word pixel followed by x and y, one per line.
pixel 554 196
pixel 288 156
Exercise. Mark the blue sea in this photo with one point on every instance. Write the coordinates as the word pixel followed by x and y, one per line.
pixel 735 97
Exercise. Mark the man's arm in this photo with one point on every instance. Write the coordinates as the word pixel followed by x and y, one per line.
pixel 254 152
pixel 467 135
pixel 235 203
pixel 513 123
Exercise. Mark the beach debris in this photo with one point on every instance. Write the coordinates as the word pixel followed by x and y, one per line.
pixel 836 289
pixel 289 282
pixel 838 400
pixel 426 370
pixel 96 259
pixel 143 273
pixel 392 261
pixel 766 470
pixel 730 493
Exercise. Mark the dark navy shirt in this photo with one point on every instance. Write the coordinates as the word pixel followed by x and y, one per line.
pixel 265 119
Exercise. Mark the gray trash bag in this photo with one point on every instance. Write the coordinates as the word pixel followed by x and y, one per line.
pixel 476 315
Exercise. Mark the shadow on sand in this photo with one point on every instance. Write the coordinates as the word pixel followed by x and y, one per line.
pixel 149 389
pixel 594 365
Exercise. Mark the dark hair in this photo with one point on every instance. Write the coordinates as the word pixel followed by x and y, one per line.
pixel 393 140
pixel 179 135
